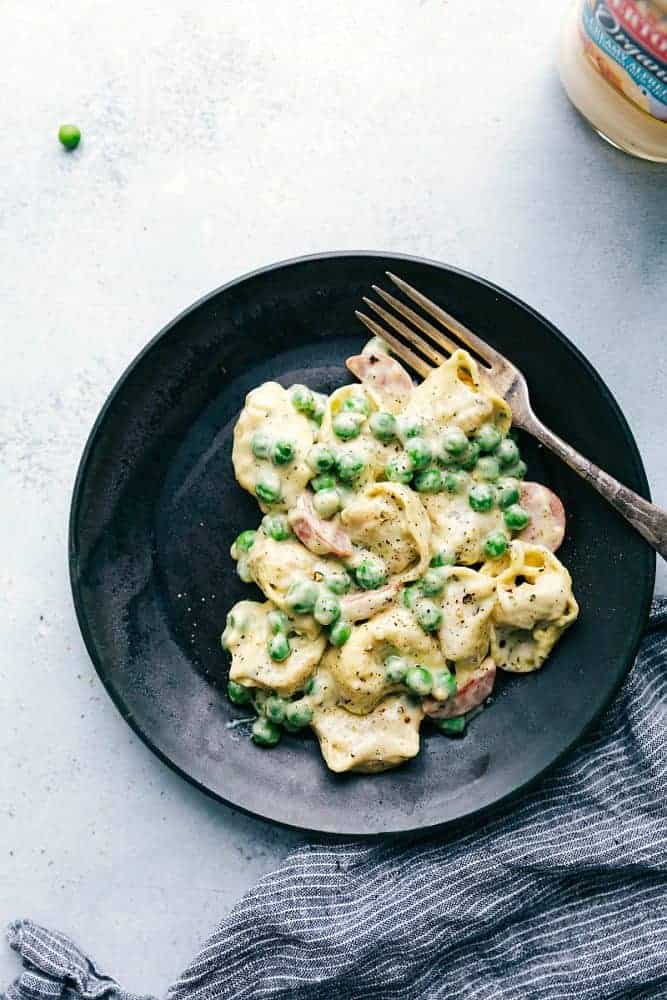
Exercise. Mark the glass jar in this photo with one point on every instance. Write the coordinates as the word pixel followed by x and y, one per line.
pixel 613 64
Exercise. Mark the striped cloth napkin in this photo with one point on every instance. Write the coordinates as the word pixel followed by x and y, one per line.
pixel 562 894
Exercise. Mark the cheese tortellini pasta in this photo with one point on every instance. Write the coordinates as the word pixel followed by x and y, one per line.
pixel 458 529
pixel 454 394
pixel 247 637
pixel 271 441
pixel 534 605
pixel 389 520
pixel 402 557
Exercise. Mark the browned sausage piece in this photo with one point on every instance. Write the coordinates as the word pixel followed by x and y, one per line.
pixel 386 376
pixel 319 536
pixel 547 516
pixel 476 689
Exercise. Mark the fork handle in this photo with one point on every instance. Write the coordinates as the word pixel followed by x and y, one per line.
pixel 647 518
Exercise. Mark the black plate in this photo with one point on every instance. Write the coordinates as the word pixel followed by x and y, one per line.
pixel 156 508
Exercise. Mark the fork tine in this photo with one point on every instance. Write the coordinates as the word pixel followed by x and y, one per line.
pixel 403 352
pixel 413 338
pixel 469 338
pixel 436 335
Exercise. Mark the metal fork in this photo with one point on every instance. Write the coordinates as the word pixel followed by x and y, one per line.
pixel 506 379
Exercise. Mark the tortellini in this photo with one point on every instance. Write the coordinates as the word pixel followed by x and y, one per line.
pixel 267 419
pixel 358 666
pixel 390 558
pixel 534 605
pixel 383 738
pixel 458 529
pixel 455 393
pixel 467 606
pixel 371 452
pixel 246 637
pixel 389 520
pixel 274 566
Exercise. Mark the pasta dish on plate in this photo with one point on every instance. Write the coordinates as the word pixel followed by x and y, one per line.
pixel 403 556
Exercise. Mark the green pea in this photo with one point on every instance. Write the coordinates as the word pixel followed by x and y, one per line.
pixel 338 581
pixel 451 727
pixel 454 442
pixel 488 437
pixel 279 647
pixel 419 681
pixel 243 570
pixel 298 714
pixel 265 733
pixel 70 136
pixel 428 614
pixel 454 481
pixel 517 471
pixel 480 497
pixel 276 526
pixel 357 404
pixel 311 685
pixel 325 481
pixel 278 622
pixel 319 408
pixel 301 596
pixel 339 633
pixel 238 694
pixel 321 458
pixel 399 469
pixel 428 481
pixel 371 574
pixel 468 460
pixel 488 468
pixel 230 627
pixel 408 427
pixel 303 399
pixel 268 487
pixel 321 400
pixel 383 426
pixel 495 545
pixel 516 518
pixel 508 452
pixel 507 493
pixel 327 503
pixel 419 452
pixel 327 608
pixel 274 709
pixel 411 594
pixel 261 444
pixel 346 426
pixel 349 466
pixel 444 685
pixel 282 453
pixel 432 582
pixel 245 540
pixel 395 668
pixel 442 558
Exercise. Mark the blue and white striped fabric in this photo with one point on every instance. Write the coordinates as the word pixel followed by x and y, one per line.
pixel 561 895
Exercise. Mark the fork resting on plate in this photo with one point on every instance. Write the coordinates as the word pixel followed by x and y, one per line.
pixel 505 378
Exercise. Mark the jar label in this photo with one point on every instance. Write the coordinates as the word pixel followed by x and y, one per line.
pixel 626 40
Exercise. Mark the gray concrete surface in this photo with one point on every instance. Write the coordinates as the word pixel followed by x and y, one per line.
pixel 220 136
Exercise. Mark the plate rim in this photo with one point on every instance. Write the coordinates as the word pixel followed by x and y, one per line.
pixel 76 498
